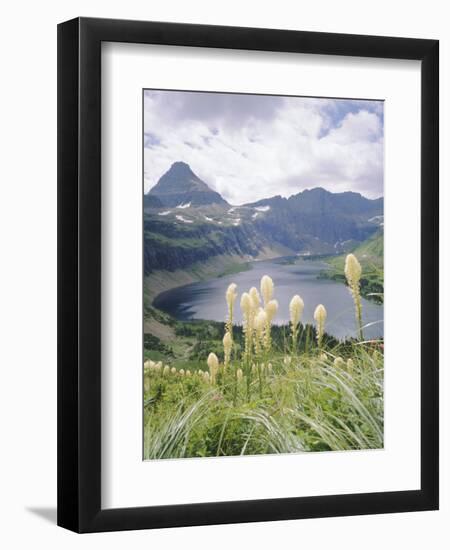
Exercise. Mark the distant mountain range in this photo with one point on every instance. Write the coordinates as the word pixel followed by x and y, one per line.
pixel 186 222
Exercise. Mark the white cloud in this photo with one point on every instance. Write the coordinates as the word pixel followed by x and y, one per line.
pixel 356 128
pixel 260 146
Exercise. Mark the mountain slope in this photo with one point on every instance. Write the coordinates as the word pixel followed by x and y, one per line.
pixel 320 201
pixel 186 223
pixel 372 250
pixel 180 186
pixel 370 255
pixel 152 201
pixel 171 246
pixel 334 219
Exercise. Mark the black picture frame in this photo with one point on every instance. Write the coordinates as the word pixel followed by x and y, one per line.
pixel 79 274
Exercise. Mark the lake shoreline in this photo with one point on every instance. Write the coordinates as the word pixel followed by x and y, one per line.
pixel 217 267
pixel 204 299
pixel 164 280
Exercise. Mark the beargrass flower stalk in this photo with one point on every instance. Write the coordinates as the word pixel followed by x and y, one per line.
pixel 260 326
pixel 271 309
pixel 227 345
pixel 266 289
pixel 213 365
pixel 149 365
pixel 296 308
pixel 239 374
pixel 320 316
pixel 350 365
pixel 230 296
pixel 353 275
pixel 206 377
pixel 166 370
pixel 254 295
pixel 246 307
pixel 188 373
pixel 173 370
pixel 339 362
pixel 256 373
pixel 256 302
pixel 181 372
pixel 248 315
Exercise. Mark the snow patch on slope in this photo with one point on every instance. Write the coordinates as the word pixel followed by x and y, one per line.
pixel 181 219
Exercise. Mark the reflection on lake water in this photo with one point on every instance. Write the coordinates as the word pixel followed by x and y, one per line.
pixel 206 299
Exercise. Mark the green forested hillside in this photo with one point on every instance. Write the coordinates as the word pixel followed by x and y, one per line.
pixel 370 255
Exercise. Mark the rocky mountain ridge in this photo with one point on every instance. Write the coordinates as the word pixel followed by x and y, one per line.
pixel 186 222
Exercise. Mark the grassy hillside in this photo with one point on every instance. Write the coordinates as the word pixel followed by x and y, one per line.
pixel 370 255
pixel 311 402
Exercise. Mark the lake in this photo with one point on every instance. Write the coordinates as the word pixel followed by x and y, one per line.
pixel 206 299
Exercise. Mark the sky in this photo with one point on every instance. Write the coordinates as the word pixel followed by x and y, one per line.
pixel 248 147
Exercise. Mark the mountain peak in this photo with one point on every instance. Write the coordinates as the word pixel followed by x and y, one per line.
pixel 180 166
pixel 180 185
pixel 317 191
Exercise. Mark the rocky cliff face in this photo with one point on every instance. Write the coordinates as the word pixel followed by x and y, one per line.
pixel 172 246
pixel 318 214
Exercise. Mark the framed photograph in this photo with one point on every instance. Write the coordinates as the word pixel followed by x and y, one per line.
pixel 247 275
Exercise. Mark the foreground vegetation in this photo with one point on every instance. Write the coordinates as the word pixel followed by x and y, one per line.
pixel 371 254
pixel 264 389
